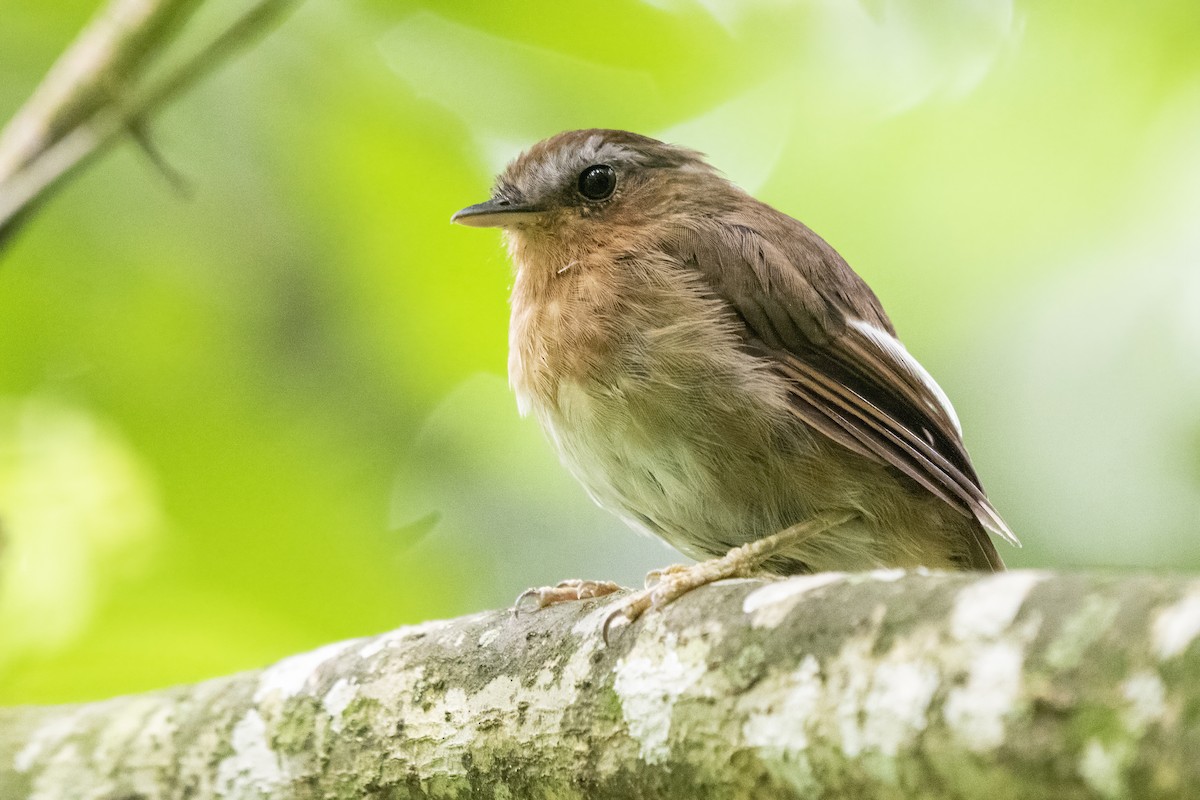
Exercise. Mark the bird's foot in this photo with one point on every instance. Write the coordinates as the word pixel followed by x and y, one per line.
pixel 564 592
pixel 656 576
pixel 671 583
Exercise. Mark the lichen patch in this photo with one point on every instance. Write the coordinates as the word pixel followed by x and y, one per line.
pixel 440 724
pixel 779 724
pixel 648 682
pixel 770 605
pixel 377 644
pixel 886 575
pixel 1146 697
pixel 253 766
pixel 849 683
pixel 977 711
pixel 895 709
pixel 1103 768
pixel 778 711
pixel 337 700
pixel 290 676
pixel 68 772
pixel 987 607
pixel 1177 626
pixel 46 738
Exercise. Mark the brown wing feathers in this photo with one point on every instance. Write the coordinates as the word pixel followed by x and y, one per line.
pixel 846 385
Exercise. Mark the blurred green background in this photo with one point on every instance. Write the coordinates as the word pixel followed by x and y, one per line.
pixel 272 414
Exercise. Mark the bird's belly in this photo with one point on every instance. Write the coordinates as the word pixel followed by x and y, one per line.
pixel 704 465
pixel 707 479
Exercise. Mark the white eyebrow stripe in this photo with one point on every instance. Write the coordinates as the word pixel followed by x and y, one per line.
pixel 895 351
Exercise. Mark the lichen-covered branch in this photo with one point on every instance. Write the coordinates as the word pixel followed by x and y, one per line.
pixel 93 94
pixel 883 685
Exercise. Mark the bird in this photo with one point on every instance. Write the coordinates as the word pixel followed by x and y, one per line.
pixel 715 374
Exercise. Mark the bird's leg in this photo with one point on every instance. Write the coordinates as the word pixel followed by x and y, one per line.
pixel 665 585
pixel 655 576
pixel 563 592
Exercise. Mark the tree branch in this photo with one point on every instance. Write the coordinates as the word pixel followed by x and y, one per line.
pixel 111 51
pixel 92 95
pixel 887 685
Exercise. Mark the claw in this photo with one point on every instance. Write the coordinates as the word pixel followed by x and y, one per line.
pixel 522 597
pixel 562 592
pixel 631 609
pixel 607 624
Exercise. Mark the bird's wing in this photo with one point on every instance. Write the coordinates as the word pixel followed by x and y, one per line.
pixel 850 377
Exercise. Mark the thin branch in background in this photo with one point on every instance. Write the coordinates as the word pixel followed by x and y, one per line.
pixel 75 114
pixel 140 132
pixel 112 51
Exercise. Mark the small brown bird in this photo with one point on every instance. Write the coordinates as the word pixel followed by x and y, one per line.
pixel 714 373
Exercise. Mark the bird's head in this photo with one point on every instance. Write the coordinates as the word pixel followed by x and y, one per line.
pixel 588 185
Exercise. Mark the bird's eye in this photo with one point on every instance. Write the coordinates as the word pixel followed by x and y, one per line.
pixel 597 182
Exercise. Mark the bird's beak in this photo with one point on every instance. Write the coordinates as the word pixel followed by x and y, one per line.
pixel 496 213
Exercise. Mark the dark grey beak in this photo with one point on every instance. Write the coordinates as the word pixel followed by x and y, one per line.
pixel 496 213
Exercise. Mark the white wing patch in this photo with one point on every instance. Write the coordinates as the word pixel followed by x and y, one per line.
pixel 895 350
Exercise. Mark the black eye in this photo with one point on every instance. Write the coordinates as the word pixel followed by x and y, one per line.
pixel 597 182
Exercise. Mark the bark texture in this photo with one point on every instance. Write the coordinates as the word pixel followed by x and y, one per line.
pixel 881 685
